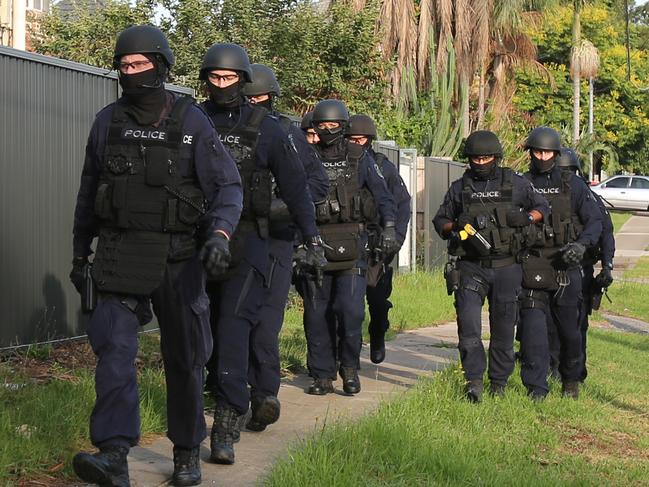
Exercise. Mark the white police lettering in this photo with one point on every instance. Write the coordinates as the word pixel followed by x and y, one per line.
pixel 187 139
pixel 334 165
pixel 229 139
pixel 144 134
pixel 485 194
pixel 547 190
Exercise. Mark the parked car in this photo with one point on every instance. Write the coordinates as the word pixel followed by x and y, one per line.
pixel 625 192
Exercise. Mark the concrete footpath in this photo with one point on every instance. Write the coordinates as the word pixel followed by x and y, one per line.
pixel 632 240
pixel 409 355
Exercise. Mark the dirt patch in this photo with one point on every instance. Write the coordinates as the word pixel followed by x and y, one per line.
pixel 44 363
pixel 605 445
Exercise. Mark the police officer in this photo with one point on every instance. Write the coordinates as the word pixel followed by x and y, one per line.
pixel 262 152
pixel 264 363
pixel 307 127
pixel 154 173
pixel 362 130
pixel 356 189
pixel 496 203
pixel 603 252
pixel 552 270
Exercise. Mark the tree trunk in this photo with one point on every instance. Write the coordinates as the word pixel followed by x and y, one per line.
pixel 481 97
pixel 576 78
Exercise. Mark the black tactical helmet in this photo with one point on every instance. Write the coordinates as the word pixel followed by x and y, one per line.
pixel 307 121
pixel 483 143
pixel 232 57
pixel 142 39
pixel 264 82
pixel 543 138
pixel 568 158
pixel 330 111
pixel 361 124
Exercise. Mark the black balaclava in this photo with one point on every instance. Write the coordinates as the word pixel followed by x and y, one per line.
pixel 329 137
pixel 144 92
pixel 484 171
pixel 228 97
pixel 541 167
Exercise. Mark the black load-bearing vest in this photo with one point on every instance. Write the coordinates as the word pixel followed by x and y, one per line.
pixel 142 198
pixel 140 184
pixel 564 225
pixel 488 211
pixel 241 141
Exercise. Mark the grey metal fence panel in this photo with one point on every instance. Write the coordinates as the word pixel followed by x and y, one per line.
pixel 47 106
pixel 439 174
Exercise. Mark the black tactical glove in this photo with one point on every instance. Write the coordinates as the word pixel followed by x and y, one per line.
pixel 315 260
pixel 462 220
pixel 76 274
pixel 605 278
pixel 572 253
pixel 215 255
pixel 519 218
pixel 389 244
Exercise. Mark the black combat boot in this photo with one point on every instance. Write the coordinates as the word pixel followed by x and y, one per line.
pixel 473 390
pixel 351 382
pixel 226 422
pixel 107 468
pixel 320 387
pixel 377 348
pixel 187 469
pixel 570 389
pixel 265 411
pixel 497 390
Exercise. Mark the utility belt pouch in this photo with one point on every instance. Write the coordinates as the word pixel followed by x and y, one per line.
pixel 157 165
pixel 88 292
pixel 279 211
pixel 119 198
pixel 191 205
pixel 341 242
pixel 357 209
pixel 334 207
pixel 452 276
pixel 538 272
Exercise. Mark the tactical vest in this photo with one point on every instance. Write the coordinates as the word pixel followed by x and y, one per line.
pixel 142 198
pixel 279 216
pixel 241 141
pixel 564 225
pixel 341 216
pixel 488 210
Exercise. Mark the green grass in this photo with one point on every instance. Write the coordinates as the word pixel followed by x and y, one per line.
pixel 43 425
pixel 619 218
pixel 639 270
pixel 431 436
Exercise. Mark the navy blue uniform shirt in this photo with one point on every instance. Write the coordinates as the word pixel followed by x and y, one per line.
pixel 400 193
pixel 606 239
pixel 274 152
pixel 523 196
pixel 201 149
pixel 582 203
pixel 316 176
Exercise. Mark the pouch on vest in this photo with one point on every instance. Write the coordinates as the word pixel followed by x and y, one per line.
pixel 322 214
pixel 191 205
pixel 131 262
pixel 341 242
pixel 261 192
pixel 103 205
pixel 156 160
pixel 538 273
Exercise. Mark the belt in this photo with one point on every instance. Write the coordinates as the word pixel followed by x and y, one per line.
pixel 497 263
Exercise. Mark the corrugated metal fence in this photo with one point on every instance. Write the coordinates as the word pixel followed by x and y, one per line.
pixel 47 106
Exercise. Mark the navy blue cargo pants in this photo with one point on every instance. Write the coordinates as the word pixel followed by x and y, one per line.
pixel 182 309
pixel 501 287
